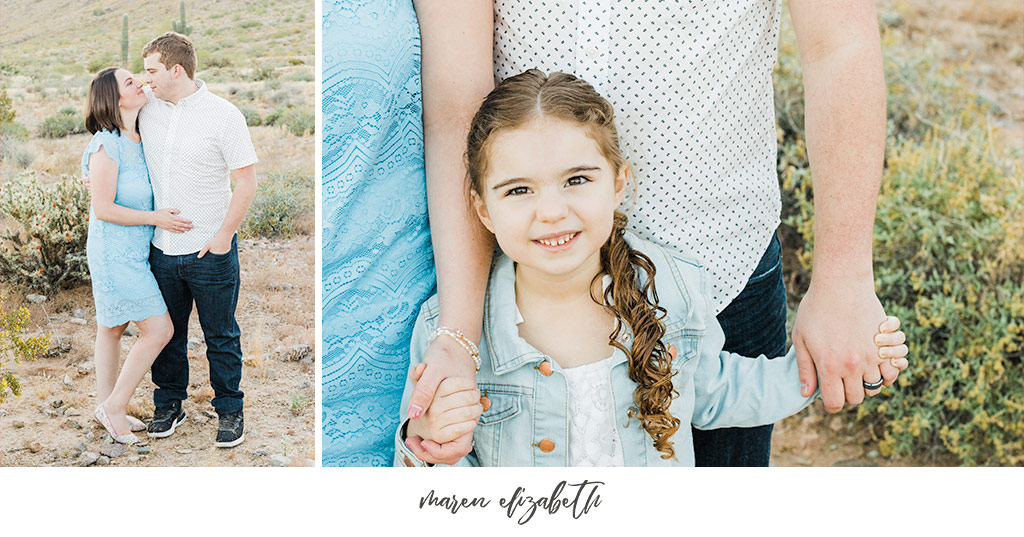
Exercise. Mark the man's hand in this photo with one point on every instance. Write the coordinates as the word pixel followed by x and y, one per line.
pixel 218 245
pixel 834 332
pixel 443 359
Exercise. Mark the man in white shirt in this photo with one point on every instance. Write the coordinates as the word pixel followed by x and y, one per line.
pixel 195 143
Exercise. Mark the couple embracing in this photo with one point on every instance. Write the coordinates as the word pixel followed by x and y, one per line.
pixel 162 236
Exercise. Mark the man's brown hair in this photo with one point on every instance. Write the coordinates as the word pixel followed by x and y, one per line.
pixel 174 48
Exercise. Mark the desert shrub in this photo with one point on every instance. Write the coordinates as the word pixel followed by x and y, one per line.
pixel 7 113
pixel 250 24
pixel 252 116
pixel 300 77
pixel 273 117
pixel 46 250
pixel 12 150
pixel 218 61
pixel 296 61
pixel 298 121
pixel 272 84
pixel 13 346
pixel 14 130
pixel 64 123
pixel 262 72
pixel 948 258
pixel 99 63
pixel 283 207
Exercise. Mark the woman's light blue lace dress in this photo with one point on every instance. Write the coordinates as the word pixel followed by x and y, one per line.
pixel 122 284
pixel 377 260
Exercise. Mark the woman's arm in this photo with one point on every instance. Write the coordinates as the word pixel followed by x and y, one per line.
pixel 103 186
pixel 457 73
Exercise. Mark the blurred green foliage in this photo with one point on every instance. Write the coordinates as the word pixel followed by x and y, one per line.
pixel 65 122
pixel 283 207
pixel 948 258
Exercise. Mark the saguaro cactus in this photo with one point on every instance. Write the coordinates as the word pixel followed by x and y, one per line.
pixel 124 41
pixel 179 26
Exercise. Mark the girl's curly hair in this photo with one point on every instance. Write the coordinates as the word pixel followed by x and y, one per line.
pixel 631 297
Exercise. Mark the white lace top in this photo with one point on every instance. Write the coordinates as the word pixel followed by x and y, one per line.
pixel 593 437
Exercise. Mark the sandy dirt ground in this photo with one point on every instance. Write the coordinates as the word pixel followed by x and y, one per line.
pixel 51 423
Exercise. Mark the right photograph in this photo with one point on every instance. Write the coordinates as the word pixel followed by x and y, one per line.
pixel 743 233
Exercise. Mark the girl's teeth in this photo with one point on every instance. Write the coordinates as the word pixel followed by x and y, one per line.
pixel 558 241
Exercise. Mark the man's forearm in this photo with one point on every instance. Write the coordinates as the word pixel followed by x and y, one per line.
pixel 241 198
pixel 844 90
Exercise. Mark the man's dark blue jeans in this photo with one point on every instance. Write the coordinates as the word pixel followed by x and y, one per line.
pixel 212 283
pixel 754 324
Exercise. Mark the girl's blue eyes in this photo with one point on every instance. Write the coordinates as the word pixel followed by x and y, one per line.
pixel 572 181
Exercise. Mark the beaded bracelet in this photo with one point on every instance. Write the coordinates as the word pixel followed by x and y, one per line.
pixel 459 338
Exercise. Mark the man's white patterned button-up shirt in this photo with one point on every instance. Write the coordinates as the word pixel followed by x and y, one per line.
pixel 190 149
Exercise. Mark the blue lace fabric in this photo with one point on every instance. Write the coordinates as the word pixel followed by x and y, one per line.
pixel 123 286
pixel 377 260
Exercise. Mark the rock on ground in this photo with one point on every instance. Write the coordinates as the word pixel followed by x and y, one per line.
pixel 88 458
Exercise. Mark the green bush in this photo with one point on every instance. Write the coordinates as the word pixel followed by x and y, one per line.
pixel 948 258
pixel 301 76
pixel 252 116
pixel 64 123
pixel 13 346
pixel 262 72
pixel 46 251
pixel 99 63
pixel 218 61
pixel 14 130
pixel 296 61
pixel 7 113
pixel 283 207
pixel 12 150
pixel 298 121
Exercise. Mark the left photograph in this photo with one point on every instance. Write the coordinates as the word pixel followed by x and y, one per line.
pixel 157 224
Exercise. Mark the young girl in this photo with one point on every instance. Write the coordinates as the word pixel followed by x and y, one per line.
pixel 598 348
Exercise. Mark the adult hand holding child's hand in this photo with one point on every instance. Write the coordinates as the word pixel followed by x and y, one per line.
pixel 834 332
pixel 449 379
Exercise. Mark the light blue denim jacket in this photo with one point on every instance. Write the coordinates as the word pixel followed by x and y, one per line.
pixel 716 388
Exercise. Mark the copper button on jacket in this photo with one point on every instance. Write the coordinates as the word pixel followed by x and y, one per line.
pixel 547 446
pixel 545 368
pixel 485 402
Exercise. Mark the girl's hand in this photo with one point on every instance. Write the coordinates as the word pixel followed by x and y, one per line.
pixel 892 348
pixel 453 413
pixel 166 219
pixel 443 359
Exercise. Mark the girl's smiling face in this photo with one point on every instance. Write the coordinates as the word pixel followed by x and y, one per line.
pixel 549 196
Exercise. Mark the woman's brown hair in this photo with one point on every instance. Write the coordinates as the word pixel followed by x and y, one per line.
pixel 632 299
pixel 101 110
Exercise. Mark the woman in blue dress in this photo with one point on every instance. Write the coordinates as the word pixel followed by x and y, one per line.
pixel 394 135
pixel 121 221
